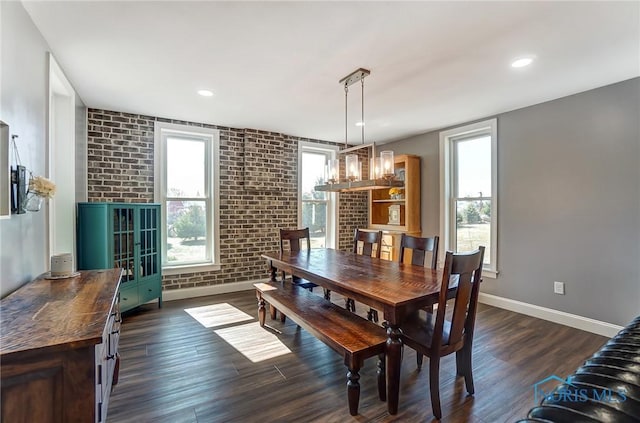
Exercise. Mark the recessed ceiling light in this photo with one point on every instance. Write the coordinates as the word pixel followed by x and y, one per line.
pixel 522 62
pixel 205 93
pixel 359 123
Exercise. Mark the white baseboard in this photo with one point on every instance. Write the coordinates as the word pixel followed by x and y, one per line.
pixel 556 316
pixel 203 291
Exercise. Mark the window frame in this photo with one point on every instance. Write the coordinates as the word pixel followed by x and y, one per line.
pixel 211 137
pixel 332 197
pixel 448 184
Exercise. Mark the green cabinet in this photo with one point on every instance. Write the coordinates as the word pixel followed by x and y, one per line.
pixel 126 236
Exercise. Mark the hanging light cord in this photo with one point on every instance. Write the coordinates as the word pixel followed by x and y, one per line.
pixel 346 121
pixel 362 101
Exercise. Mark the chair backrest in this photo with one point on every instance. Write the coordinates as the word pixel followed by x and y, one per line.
pixel 368 240
pixel 468 269
pixel 294 236
pixel 419 247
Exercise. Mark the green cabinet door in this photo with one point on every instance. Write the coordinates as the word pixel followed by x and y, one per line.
pixel 129 298
pixel 125 236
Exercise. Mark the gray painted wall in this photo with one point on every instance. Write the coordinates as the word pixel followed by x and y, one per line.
pixel 569 202
pixel 23 105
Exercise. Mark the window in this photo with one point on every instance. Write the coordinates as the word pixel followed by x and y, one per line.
pixel 316 210
pixel 468 167
pixel 186 174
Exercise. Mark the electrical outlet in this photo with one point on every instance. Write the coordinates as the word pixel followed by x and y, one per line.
pixel 558 288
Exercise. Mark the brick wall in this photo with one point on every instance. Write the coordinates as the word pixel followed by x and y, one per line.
pixel 258 188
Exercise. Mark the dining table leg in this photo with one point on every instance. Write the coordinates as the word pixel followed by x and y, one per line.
pixel 273 278
pixel 394 363
pixel 273 272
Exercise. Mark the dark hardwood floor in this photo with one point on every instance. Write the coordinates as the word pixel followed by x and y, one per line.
pixel 173 369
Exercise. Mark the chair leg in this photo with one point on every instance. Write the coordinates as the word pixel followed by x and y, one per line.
pixel 382 378
pixel 327 294
pixel 419 358
pixel 468 370
pixel 434 386
pixel 350 305
pixel 460 363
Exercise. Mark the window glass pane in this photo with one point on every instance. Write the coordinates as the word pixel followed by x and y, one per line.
pixel 312 175
pixel 314 214
pixel 186 232
pixel 185 167
pixel 314 217
pixel 473 226
pixel 473 167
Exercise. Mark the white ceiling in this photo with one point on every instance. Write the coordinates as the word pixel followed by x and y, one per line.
pixel 276 65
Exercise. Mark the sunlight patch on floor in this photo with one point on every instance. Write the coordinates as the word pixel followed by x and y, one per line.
pixel 215 315
pixel 253 341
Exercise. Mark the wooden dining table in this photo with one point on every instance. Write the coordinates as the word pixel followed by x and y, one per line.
pixel 395 288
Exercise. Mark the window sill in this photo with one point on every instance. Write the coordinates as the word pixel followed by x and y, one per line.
pixel 493 274
pixel 190 268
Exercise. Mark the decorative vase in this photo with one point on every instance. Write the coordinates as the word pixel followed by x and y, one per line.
pixel 33 202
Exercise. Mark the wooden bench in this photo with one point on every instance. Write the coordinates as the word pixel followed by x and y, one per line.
pixel 355 338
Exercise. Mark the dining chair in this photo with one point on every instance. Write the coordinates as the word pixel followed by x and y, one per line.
pixel 435 336
pixel 365 243
pixel 418 247
pixel 296 237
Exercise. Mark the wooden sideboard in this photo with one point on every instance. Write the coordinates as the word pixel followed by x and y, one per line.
pixel 59 348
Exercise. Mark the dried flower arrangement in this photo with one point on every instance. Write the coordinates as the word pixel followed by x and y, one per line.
pixel 42 187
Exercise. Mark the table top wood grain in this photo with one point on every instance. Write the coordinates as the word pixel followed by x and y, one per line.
pixel 58 314
pixel 371 280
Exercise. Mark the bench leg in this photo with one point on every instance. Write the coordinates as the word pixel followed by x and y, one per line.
pixel 382 379
pixel 262 312
pixel 353 390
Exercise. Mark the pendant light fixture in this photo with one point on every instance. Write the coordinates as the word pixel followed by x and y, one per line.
pixel 381 172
